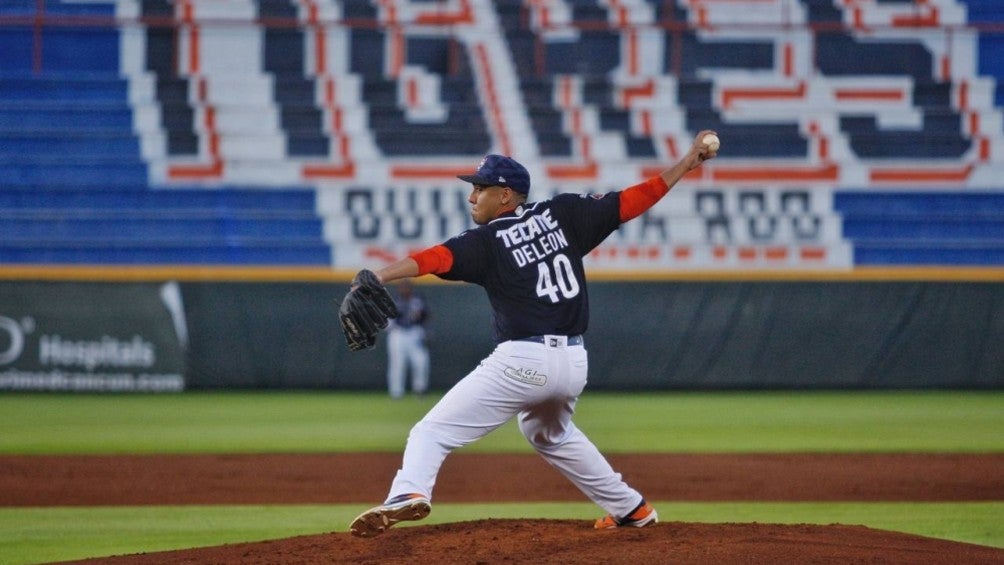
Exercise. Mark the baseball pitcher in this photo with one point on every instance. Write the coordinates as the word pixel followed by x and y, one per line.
pixel 528 258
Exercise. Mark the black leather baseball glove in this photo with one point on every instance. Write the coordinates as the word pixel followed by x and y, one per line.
pixel 365 311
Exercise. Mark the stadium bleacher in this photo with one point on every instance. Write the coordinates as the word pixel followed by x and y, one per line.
pixel 935 227
pixel 148 143
pixel 75 186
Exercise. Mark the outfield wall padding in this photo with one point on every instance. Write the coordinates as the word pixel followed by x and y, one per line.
pixel 643 335
pixel 798 335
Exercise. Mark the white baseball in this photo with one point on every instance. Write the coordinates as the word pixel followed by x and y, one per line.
pixel 712 141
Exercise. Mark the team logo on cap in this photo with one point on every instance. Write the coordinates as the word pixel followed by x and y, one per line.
pixel 501 179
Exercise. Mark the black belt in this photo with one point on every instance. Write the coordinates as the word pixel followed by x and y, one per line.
pixel 572 339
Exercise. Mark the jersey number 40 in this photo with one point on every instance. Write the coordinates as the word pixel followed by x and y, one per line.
pixel 557 278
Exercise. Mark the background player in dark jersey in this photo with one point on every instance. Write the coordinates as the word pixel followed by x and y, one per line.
pixel 407 351
pixel 528 258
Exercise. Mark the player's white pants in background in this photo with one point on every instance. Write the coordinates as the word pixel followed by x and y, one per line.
pixel 539 384
pixel 406 348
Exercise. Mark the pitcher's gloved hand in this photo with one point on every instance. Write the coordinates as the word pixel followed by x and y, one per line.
pixel 366 310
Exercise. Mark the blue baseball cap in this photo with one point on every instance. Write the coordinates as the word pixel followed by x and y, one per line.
pixel 499 170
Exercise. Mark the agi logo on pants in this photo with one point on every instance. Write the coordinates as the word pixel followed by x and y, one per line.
pixel 528 376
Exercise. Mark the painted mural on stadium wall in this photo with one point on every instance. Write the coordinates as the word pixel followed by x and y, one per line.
pixel 690 229
pixel 355 93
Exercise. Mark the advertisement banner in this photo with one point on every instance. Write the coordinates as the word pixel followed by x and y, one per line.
pixel 92 337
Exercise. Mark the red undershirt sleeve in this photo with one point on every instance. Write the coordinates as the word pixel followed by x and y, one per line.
pixel 640 197
pixel 436 259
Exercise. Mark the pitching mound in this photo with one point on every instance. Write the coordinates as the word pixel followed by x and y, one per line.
pixel 571 542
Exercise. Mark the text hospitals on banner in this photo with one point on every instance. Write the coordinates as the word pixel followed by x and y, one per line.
pixel 92 337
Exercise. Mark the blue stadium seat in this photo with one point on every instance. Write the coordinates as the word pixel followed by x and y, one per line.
pixel 77 49
pixel 940 137
pixel 984 11
pixel 431 53
pixel 612 119
pixel 961 204
pixel 554 145
pixel 180 252
pixel 667 11
pixel 56 87
pixel 76 189
pixel 300 118
pixel 537 92
pixel 745 139
pixel 511 14
pixel 696 55
pixel 923 253
pixel 59 173
pixel 991 63
pixel 19 8
pixel 840 54
pixel 57 117
pixel 136 225
pixel 63 8
pixel 923 228
pixel 84 144
pixel 117 226
pixel 366 46
pixel 585 12
pixel 464 130
pixel 359 12
pixel 171 90
pixel 592 53
pixel 295 201
pixel 823 12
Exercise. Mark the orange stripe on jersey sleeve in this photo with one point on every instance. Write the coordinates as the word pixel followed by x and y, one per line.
pixel 640 197
pixel 436 259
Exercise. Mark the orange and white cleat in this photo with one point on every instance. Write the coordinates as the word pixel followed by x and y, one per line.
pixel 643 515
pixel 401 508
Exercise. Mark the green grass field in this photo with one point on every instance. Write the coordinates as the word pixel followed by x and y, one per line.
pixel 331 422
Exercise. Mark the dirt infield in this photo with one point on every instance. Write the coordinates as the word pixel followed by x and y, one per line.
pixel 363 479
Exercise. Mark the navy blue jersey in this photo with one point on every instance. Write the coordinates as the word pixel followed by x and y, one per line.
pixel 529 261
pixel 412 311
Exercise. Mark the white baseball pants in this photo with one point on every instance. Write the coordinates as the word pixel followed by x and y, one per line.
pixel 406 349
pixel 538 383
